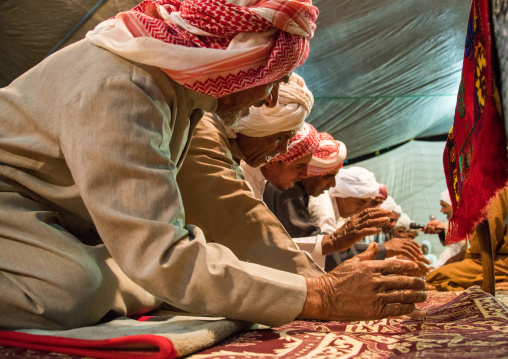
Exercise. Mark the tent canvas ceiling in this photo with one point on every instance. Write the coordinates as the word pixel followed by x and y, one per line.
pixel 382 71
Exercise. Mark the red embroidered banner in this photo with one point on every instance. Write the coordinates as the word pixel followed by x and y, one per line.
pixel 475 157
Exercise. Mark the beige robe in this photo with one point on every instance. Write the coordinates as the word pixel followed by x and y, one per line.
pixel 218 199
pixel 91 219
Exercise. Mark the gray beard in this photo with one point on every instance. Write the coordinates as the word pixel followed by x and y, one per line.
pixel 230 118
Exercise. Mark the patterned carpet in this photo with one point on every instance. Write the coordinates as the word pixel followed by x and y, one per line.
pixel 458 325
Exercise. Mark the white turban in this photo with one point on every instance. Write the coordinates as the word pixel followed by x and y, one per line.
pixel 354 182
pixel 295 103
pixel 389 204
pixel 445 197
pixel 403 221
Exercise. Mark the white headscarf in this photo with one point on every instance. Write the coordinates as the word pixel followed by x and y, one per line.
pixel 293 107
pixel 389 204
pixel 445 197
pixel 403 221
pixel 356 182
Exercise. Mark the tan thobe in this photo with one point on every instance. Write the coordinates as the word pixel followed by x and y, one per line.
pixel 91 219
pixel 218 199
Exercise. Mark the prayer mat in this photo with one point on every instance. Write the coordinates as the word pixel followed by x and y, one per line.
pixel 470 324
pixel 458 324
pixel 475 157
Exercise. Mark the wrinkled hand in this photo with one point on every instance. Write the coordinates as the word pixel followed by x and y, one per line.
pixel 365 289
pixel 405 247
pixel 365 223
pixel 433 227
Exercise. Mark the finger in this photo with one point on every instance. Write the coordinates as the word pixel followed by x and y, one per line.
pixel 404 296
pixel 397 309
pixel 424 260
pixel 423 268
pixel 418 313
pixel 396 266
pixel 414 245
pixel 362 233
pixel 374 213
pixel 369 254
pixel 397 282
pixel 372 222
pixel 411 252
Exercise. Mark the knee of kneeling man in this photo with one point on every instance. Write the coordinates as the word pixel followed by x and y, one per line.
pixel 77 302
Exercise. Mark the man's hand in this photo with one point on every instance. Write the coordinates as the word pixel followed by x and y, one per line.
pixel 365 289
pixel 405 247
pixel 365 223
pixel 433 227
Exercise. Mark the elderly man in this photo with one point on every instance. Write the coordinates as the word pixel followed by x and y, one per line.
pixel 352 193
pixel 401 226
pixel 389 204
pixel 453 252
pixel 290 204
pixel 469 271
pixel 285 169
pixel 381 196
pixel 91 140
pixel 439 227
pixel 218 199
pixel 211 175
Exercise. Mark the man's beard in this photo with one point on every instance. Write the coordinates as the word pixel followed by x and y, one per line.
pixel 231 117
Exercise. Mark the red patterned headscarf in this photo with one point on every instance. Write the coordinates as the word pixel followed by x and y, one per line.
pixel 215 47
pixel 383 192
pixel 329 156
pixel 306 141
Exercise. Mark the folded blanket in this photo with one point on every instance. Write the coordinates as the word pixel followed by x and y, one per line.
pixel 154 337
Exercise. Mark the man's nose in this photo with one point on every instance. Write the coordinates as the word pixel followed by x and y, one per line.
pixel 273 98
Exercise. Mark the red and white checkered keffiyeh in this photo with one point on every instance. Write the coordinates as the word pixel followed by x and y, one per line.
pixel 329 156
pixel 304 142
pixel 215 47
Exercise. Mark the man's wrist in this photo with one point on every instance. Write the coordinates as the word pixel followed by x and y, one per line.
pixel 312 300
pixel 327 244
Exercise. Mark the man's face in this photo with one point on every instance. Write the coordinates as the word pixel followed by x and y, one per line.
pixel 258 149
pixel 231 108
pixel 284 176
pixel 399 232
pixel 351 205
pixel 376 202
pixel 446 209
pixel 394 217
pixel 411 234
pixel 317 185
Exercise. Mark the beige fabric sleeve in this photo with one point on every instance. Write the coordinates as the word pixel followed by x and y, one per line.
pixel 218 200
pixel 121 150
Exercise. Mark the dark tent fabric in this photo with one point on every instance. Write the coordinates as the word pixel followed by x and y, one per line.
pixel 382 72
